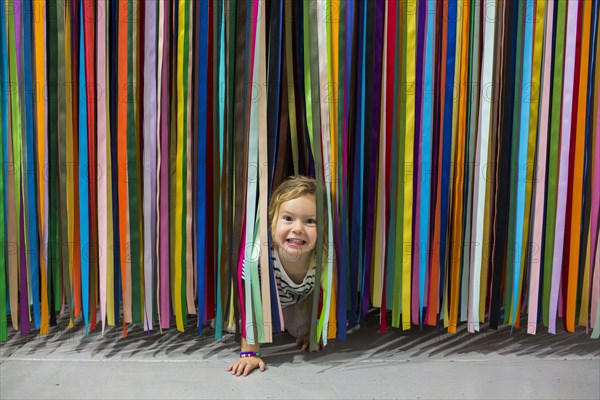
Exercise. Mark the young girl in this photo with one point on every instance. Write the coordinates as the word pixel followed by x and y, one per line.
pixel 293 219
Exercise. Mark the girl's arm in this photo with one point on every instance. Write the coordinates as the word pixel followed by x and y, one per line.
pixel 245 365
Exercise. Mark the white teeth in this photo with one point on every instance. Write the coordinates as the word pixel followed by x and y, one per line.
pixel 296 241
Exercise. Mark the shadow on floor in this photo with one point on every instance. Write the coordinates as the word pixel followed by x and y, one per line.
pixel 366 342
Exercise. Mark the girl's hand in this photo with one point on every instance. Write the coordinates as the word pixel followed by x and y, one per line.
pixel 245 365
pixel 303 342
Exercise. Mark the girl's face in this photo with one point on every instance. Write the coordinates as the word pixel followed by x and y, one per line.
pixel 296 227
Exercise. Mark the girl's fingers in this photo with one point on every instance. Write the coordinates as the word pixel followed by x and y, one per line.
pixel 240 369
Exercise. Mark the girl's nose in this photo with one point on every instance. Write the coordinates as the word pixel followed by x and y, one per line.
pixel 297 227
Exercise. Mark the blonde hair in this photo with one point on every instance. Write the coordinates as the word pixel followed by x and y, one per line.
pixel 294 187
pixel 291 188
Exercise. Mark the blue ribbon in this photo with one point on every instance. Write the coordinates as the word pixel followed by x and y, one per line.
pixel 30 164
pixel 201 178
pixel 83 181
pixel 342 308
pixel 447 141
pixel 274 85
pixel 356 234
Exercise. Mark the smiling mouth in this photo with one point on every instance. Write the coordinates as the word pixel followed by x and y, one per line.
pixel 295 242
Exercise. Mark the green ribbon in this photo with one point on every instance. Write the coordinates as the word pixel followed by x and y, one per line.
pixel 399 222
pixel 313 113
pixel 554 144
pixel 132 175
pixel 16 130
pixel 290 79
pixel 62 133
pixel 4 125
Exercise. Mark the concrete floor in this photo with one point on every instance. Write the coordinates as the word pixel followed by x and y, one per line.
pixel 414 364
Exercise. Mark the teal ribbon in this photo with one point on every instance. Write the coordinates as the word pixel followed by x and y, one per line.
pixel 221 105
pixel 522 164
pixel 84 247
pixel 426 153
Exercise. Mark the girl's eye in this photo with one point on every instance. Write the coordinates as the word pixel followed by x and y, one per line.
pixel 311 221
pixel 286 218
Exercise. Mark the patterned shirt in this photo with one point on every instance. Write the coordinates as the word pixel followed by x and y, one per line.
pixel 290 293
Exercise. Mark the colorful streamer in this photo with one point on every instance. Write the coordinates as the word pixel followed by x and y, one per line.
pixel 455 147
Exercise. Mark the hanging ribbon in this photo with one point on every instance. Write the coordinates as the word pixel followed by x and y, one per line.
pixel 151 130
pixel 459 127
pixel 586 250
pixel 400 164
pixel 4 117
pixel 578 129
pixel 563 171
pixel 522 163
pixel 123 166
pixel 557 87
pixel 594 168
pixel 263 184
pixel 201 151
pixel 425 155
pixel 29 165
pixel 541 171
pixel 103 210
pixel 162 218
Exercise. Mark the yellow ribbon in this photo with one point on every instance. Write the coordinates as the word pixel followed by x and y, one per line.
pixel 411 47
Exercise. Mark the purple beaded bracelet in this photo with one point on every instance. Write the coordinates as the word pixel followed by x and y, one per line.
pixel 249 354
